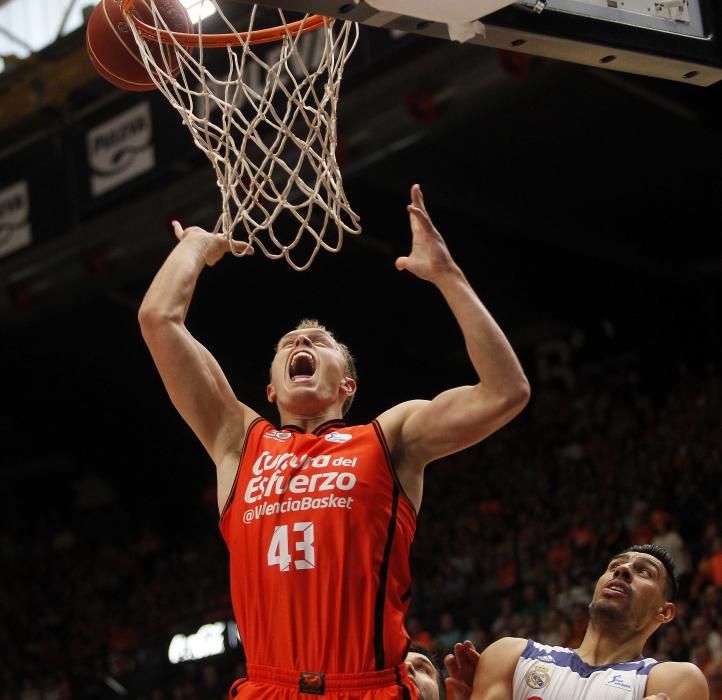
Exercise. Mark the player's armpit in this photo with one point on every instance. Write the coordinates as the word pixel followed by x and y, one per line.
pixel 678 680
pixel 494 676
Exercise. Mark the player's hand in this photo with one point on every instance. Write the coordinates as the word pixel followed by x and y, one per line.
pixel 429 258
pixel 657 696
pixel 461 666
pixel 216 245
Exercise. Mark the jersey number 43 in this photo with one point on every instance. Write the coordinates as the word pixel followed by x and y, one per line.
pixel 279 553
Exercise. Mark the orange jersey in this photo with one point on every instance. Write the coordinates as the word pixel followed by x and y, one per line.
pixel 319 531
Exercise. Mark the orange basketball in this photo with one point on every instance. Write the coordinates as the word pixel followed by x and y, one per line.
pixel 112 48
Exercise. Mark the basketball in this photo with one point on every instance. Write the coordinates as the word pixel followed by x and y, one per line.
pixel 112 48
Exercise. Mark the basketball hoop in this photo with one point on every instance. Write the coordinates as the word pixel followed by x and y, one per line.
pixel 266 120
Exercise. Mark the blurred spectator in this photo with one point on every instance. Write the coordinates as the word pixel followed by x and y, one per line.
pixel 448 634
pixel 418 634
pixel 506 621
pixel 531 606
pixel 579 622
pixel 668 538
pixel 476 634
pixel 714 678
pixel 702 637
pixel 703 658
pixel 709 568
pixel 672 645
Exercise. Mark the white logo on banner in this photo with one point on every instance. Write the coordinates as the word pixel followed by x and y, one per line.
pixel 207 641
pixel 120 149
pixel 15 231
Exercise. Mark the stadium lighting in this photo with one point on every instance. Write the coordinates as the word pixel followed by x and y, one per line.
pixel 199 9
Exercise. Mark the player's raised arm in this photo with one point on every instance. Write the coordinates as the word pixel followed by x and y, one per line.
pixel 421 431
pixel 195 383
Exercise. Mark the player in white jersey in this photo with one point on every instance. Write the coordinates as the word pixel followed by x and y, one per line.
pixel 574 678
pixel 633 598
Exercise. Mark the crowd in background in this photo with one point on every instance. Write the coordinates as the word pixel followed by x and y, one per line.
pixel 512 537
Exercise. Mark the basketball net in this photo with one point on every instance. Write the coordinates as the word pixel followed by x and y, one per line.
pixel 266 120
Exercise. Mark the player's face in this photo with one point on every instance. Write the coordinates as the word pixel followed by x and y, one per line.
pixel 632 590
pixel 424 674
pixel 308 372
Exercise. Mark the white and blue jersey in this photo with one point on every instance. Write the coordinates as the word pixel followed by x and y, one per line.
pixel 557 673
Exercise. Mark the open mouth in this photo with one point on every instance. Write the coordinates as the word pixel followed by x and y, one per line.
pixel 615 589
pixel 302 367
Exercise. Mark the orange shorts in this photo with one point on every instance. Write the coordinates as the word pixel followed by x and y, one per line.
pixel 266 683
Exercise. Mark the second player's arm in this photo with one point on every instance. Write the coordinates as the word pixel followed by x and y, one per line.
pixel 494 675
pixel 677 681
pixel 195 382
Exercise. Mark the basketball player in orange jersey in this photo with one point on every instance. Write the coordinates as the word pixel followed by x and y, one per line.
pixel 319 516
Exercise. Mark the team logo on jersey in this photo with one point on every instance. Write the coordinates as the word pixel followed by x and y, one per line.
pixel 279 435
pixel 538 677
pixel 617 681
pixel 338 437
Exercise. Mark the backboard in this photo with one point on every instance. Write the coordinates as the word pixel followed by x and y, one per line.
pixel 669 39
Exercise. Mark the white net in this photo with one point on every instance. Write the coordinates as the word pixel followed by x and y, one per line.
pixel 265 116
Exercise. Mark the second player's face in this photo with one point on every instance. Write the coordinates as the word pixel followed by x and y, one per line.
pixel 424 675
pixel 308 372
pixel 632 589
